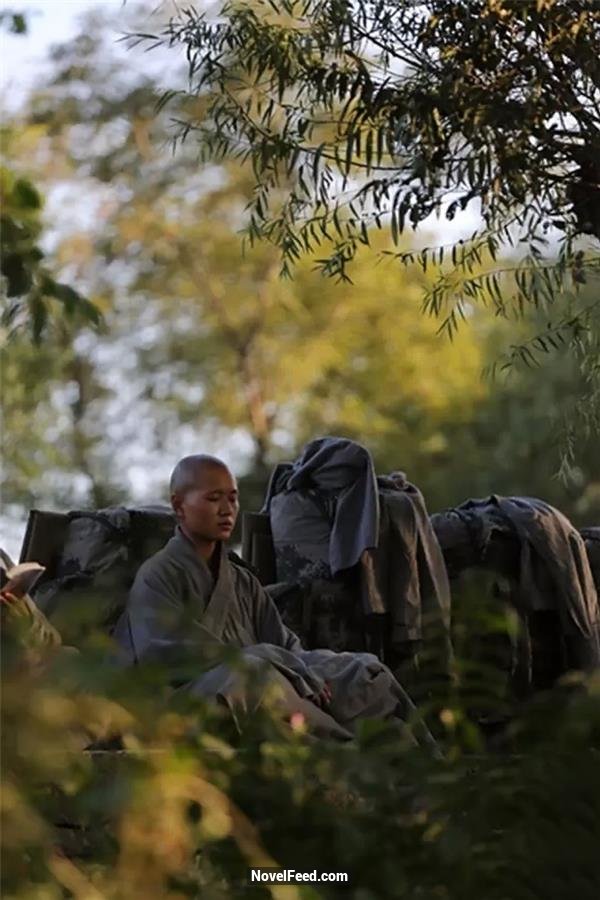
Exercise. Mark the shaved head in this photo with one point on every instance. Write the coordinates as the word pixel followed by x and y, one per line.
pixel 188 472
pixel 204 496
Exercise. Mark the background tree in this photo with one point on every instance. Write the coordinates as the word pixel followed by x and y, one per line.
pixel 392 112
pixel 27 284
pixel 205 346
pixel 28 287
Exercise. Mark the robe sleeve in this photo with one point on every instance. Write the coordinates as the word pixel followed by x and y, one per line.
pixel 278 644
pixel 267 621
pixel 160 627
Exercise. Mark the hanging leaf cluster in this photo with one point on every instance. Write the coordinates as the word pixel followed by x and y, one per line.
pixel 28 287
pixel 357 114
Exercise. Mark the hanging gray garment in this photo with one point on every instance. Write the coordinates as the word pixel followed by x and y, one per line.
pixel 178 616
pixel 339 475
pixel 460 540
pixel 550 542
pixel 591 537
pixel 92 575
pixel 301 528
pixel 552 568
pixel 409 566
pixel 403 574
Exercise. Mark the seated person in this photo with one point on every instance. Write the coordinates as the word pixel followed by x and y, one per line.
pixel 189 600
pixel 24 625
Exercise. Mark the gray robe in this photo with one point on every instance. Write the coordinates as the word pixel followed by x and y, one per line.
pixel 329 512
pixel 409 564
pixel 178 616
pixel 339 475
pixel 536 547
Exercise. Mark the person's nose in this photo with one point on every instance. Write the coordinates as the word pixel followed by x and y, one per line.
pixel 228 508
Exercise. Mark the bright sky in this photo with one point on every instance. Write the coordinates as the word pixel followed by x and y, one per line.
pixel 49 22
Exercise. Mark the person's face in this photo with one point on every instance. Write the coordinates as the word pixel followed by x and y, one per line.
pixel 209 510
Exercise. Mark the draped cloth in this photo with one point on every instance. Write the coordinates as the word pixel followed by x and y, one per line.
pixel 409 565
pixel 330 512
pixel 554 573
pixel 179 615
pixel 337 474
pixel 535 545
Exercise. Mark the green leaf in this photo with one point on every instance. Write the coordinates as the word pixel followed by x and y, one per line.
pixel 39 317
pixel 18 275
pixel 25 195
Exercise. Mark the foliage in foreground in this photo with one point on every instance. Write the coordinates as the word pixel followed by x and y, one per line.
pixel 192 804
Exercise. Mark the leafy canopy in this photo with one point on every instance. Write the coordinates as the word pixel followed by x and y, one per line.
pixel 202 344
pixel 388 112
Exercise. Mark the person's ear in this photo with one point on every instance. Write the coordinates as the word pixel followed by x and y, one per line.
pixel 177 504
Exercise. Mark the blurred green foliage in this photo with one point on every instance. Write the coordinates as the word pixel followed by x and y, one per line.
pixel 199 335
pixel 28 286
pixel 13 21
pixel 189 802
